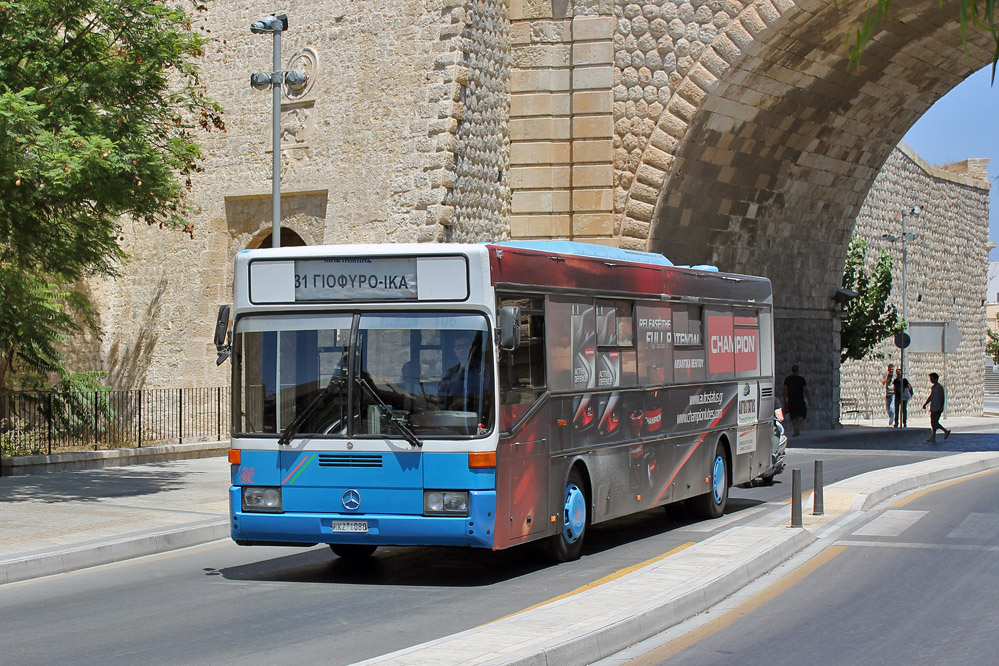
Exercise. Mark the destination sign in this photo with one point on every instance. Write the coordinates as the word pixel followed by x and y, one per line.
pixel 355 279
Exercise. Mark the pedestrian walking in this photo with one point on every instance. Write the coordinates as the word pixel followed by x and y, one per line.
pixel 903 393
pixel 886 381
pixel 936 401
pixel 796 397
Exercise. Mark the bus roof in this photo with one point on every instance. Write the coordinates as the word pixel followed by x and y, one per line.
pixel 581 267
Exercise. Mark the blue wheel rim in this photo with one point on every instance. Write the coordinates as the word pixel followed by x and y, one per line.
pixel 573 513
pixel 718 480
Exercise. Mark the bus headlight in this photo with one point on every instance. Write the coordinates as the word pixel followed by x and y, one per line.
pixel 445 502
pixel 262 498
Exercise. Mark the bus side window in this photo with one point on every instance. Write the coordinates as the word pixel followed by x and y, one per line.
pixel 522 371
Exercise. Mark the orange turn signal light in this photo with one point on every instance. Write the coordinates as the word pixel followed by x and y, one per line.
pixel 234 456
pixel 478 460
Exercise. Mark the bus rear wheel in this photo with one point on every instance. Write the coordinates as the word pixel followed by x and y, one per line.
pixel 567 545
pixel 712 503
pixel 353 551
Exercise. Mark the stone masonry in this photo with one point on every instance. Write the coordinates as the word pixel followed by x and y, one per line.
pixel 714 131
pixel 945 281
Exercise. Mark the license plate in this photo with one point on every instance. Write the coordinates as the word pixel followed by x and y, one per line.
pixel 350 526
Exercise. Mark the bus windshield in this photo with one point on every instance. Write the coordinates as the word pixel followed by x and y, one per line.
pixel 363 375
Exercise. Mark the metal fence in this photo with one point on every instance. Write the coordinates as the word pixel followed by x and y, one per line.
pixel 36 422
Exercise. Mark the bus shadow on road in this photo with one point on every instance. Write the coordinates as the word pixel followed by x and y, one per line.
pixel 649 531
pixel 396 566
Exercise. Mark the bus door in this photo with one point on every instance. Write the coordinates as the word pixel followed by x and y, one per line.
pixel 523 453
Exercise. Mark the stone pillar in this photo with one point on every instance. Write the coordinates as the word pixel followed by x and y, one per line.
pixel 561 123
pixel 810 339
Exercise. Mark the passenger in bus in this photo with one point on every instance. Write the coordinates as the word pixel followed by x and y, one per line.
pixel 462 385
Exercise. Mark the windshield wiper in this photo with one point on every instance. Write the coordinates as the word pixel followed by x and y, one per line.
pixel 336 381
pixel 407 434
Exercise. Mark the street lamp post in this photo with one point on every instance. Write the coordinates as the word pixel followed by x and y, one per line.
pixel 275 24
pixel 906 236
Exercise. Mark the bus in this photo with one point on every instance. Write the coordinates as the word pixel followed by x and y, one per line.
pixel 488 395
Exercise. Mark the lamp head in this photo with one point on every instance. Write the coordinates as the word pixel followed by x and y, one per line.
pixel 844 295
pixel 295 79
pixel 260 80
pixel 269 23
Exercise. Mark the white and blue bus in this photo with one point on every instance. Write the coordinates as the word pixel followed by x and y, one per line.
pixel 488 395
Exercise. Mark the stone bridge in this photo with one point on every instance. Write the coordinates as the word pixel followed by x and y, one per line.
pixel 713 131
pixel 734 134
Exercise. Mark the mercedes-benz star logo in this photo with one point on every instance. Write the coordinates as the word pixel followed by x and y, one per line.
pixel 351 499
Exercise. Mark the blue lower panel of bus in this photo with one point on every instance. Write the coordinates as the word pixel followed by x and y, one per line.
pixel 371 498
pixel 475 530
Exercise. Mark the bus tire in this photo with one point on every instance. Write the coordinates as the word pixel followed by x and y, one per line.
pixel 712 503
pixel 567 545
pixel 353 551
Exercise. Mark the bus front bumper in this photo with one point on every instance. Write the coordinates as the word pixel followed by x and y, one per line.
pixel 306 529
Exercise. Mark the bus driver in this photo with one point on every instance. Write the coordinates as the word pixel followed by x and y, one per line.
pixel 461 386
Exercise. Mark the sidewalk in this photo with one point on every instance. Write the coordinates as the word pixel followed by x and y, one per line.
pixel 52 523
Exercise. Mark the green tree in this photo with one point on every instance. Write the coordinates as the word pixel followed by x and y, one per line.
pixel 992 343
pixel 867 319
pixel 978 14
pixel 99 106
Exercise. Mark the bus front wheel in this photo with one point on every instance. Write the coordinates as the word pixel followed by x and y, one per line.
pixel 712 503
pixel 352 551
pixel 575 519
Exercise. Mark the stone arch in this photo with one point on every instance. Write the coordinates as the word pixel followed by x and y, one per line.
pixel 767 145
pixel 264 239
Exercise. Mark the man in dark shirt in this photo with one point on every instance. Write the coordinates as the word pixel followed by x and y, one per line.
pixel 796 398
pixel 936 401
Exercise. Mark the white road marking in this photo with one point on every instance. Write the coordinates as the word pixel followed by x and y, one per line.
pixel 891 523
pixel 977 526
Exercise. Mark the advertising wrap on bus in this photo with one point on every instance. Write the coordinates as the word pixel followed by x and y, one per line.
pixel 488 395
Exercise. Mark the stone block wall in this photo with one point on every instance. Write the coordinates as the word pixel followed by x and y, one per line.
pixel 471 120
pixel 401 135
pixel 946 277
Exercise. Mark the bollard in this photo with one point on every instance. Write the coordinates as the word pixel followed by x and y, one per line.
pixel 796 498
pixel 818 504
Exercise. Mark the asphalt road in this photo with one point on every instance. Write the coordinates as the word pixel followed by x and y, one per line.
pixel 914 584
pixel 220 603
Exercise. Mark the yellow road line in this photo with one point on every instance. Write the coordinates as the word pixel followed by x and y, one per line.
pixel 664 652
pixel 606 579
pixel 932 489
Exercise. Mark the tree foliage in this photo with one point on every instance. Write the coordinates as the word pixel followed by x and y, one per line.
pixel 977 14
pixel 99 107
pixel 869 318
pixel 992 343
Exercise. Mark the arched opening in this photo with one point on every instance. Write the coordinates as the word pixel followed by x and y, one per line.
pixel 778 156
pixel 288 239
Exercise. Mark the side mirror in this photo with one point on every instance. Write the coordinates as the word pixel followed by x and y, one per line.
pixel 509 327
pixel 221 330
pixel 221 325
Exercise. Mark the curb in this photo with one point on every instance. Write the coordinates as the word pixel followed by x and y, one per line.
pixel 74 460
pixel 48 563
pixel 875 487
pixel 655 616
pixel 663 594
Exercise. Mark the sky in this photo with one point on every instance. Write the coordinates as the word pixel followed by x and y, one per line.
pixel 961 125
